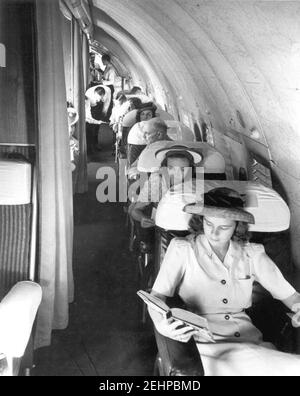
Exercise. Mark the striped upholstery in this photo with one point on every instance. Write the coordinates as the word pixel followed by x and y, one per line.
pixel 133 152
pixel 15 226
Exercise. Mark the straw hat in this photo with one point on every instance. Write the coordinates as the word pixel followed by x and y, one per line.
pixel 163 153
pixel 221 202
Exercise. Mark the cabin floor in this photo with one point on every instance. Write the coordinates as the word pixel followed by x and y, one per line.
pixel 105 336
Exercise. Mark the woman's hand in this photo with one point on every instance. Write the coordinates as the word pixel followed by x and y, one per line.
pixel 175 329
pixel 296 317
pixel 146 222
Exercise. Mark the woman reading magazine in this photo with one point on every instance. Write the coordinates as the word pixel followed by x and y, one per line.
pixel 213 272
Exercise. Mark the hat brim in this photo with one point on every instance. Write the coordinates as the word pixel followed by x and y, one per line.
pixel 227 213
pixel 161 154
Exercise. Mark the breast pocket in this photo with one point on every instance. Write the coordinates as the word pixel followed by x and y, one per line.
pixel 243 287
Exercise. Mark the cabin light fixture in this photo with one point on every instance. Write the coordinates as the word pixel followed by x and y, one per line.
pixel 2 55
pixel 254 133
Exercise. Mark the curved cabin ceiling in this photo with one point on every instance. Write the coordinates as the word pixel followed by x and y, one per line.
pixel 234 64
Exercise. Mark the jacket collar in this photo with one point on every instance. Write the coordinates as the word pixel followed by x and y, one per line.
pixel 234 249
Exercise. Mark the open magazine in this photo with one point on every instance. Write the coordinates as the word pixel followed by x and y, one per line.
pixel 189 318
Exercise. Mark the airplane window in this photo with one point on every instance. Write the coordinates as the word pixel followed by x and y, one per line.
pixel 259 172
pixel 243 174
pixel 2 55
pixel 197 132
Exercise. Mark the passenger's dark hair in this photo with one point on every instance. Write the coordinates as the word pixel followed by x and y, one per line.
pixel 180 154
pixel 145 106
pixel 135 103
pixel 105 57
pixel 134 90
pixel 241 232
pixel 100 91
pixel 214 176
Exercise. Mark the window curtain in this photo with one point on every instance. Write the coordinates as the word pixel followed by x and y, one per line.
pixel 55 179
pixel 86 62
pixel 79 88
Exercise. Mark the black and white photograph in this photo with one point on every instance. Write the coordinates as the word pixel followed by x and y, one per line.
pixel 149 191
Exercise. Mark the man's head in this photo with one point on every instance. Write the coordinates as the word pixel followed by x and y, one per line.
pixel 106 59
pixel 135 103
pixel 99 94
pixel 155 130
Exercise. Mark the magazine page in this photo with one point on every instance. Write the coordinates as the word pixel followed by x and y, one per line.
pixel 189 318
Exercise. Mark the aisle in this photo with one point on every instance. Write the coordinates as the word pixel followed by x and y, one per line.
pixel 105 335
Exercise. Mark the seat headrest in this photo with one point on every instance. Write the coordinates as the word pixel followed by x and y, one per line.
pixel 170 214
pixel 261 201
pixel 15 182
pixel 212 160
pixel 136 134
pixel 130 119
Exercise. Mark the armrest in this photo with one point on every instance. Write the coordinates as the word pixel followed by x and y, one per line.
pixel 270 317
pixel 17 314
pixel 178 358
pixel 132 173
pixel 4 369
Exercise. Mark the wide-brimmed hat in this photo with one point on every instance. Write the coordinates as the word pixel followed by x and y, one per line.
pixel 163 153
pixel 221 202
pixel 147 106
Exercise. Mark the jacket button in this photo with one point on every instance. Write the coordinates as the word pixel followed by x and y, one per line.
pixel 227 317
pixel 237 334
pixel 225 301
pixel 223 282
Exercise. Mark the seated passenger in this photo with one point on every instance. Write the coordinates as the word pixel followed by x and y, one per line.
pixel 179 163
pixel 213 272
pixel 134 103
pixel 148 132
pixel 145 112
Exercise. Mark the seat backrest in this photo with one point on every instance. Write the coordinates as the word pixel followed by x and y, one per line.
pixel 212 161
pixel 162 240
pixel 16 209
pixel 133 152
pixel 261 201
